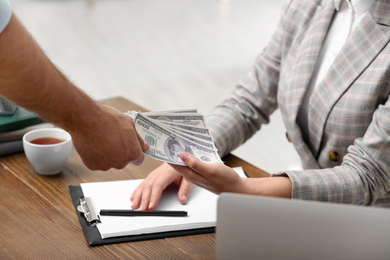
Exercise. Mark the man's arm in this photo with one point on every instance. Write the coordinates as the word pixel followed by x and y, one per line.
pixel 102 135
pixel 30 79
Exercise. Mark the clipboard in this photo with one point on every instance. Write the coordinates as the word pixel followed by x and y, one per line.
pixel 93 237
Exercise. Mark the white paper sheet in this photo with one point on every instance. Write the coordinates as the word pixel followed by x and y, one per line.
pixel 201 207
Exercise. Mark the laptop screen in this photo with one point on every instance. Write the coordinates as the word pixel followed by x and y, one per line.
pixel 256 227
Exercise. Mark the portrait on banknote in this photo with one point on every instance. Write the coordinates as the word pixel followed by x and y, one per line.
pixel 174 146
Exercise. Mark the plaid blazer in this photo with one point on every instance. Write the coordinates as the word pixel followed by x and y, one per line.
pixel 347 157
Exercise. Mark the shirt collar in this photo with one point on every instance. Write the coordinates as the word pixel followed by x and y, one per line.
pixel 359 6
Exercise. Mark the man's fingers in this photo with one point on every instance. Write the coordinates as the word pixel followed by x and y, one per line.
pixel 144 145
pixel 139 160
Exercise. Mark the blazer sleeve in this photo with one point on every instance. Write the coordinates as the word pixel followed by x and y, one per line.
pixel 364 175
pixel 254 99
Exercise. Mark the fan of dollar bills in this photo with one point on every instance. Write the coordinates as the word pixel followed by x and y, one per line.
pixel 171 132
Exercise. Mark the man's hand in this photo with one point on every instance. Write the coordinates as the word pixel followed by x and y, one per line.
pixel 103 136
pixel 109 141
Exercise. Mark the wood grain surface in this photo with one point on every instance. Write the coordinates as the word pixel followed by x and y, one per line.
pixel 39 221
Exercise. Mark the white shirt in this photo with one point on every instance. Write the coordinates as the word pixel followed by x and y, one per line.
pixel 5 13
pixel 348 15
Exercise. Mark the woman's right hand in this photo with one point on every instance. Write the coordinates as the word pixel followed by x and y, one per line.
pixel 147 195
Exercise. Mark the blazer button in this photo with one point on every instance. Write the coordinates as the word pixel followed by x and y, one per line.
pixel 288 138
pixel 333 156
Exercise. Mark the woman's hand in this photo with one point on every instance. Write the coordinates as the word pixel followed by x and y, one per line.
pixel 215 177
pixel 147 195
pixel 219 178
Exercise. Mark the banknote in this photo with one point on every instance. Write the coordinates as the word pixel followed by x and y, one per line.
pixel 160 115
pixel 191 110
pixel 205 141
pixel 198 131
pixel 192 119
pixel 185 131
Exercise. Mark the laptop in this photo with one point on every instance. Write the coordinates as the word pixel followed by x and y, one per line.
pixel 256 227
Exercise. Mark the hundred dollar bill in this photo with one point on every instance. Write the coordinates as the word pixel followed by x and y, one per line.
pixel 188 128
pixel 191 133
pixel 191 138
pixel 166 145
pixel 192 119
pixel 160 115
pixel 204 140
pixel 171 111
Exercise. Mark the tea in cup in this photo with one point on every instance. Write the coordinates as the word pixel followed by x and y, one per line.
pixel 47 149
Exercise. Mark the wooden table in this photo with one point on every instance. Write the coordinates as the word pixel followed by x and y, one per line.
pixel 39 221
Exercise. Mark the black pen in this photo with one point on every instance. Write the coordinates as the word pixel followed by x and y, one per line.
pixel 134 213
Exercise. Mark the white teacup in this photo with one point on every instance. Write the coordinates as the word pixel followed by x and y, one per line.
pixel 47 159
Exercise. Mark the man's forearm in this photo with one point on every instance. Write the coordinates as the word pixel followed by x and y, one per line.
pixel 103 136
pixel 31 80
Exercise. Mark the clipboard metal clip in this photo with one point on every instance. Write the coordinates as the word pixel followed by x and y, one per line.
pixel 86 208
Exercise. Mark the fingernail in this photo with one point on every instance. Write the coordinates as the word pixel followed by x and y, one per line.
pixel 146 146
pixel 183 199
pixel 184 156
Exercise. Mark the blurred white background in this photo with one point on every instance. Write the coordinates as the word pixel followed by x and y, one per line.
pixel 163 54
